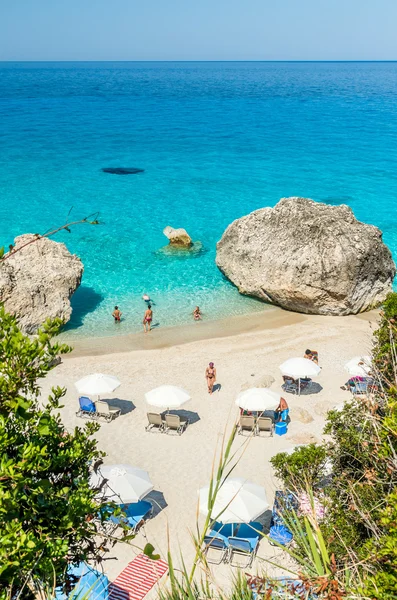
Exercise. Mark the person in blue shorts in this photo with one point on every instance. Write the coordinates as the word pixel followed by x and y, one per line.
pixel 282 411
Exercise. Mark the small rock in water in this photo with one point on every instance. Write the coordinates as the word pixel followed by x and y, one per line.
pixel 122 170
pixel 178 237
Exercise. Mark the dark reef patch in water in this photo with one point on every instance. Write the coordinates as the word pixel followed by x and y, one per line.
pixel 122 170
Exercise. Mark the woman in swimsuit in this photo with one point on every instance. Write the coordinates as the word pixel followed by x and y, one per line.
pixel 210 375
pixel 147 319
pixel 197 314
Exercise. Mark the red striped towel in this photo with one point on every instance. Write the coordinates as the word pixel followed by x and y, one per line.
pixel 137 578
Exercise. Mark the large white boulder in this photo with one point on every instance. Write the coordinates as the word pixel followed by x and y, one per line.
pixel 37 281
pixel 307 257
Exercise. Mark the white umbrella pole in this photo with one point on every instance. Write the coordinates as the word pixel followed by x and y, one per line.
pixel 299 387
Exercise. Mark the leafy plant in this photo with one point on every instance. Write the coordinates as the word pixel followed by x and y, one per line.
pixel 359 526
pixel 46 502
pixel 309 460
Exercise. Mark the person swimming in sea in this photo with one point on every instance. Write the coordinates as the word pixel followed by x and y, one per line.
pixel 147 318
pixel 146 297
pixel 197 314
pixel 116 314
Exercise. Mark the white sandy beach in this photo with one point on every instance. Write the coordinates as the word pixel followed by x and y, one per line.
pixel 179 466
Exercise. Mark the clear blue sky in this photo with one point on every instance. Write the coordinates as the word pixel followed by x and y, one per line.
pixel 198 30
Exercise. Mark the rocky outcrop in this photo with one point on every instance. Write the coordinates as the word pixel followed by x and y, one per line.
pixel 307 257
pixel 179 238
pixel 37 281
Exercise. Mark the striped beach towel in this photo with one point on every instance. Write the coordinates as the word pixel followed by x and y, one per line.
pixel 137 578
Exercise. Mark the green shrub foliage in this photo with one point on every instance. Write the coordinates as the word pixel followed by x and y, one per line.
pixel 45 497
pixel 358 487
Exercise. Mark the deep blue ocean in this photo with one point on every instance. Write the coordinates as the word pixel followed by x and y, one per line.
pixel 215 140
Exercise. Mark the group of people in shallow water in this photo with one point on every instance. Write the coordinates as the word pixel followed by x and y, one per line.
pixel 148 316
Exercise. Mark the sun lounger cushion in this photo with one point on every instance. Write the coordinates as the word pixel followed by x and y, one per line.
pixel 222 531
pixel 239 545
pixel 86 404
pixel 215 542
pixel 250 533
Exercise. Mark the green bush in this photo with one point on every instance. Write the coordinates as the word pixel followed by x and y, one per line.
pixel 45 497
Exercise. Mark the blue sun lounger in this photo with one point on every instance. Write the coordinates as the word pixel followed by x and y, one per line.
pixel 136 514
pixel 246 544
pixel 90 584
pixel 87 408
pixel 216 549
pixel 279 532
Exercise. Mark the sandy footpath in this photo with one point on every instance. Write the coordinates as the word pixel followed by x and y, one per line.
pixel 178 466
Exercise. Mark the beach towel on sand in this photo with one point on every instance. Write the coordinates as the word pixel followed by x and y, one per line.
pixel 137 579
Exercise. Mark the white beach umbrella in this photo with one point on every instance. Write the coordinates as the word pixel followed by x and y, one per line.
pixel 97 384
pixel 258 399
pixel 299 368
pixel 167 396
pixel 125 484
pixel 238 501
pixel 359 366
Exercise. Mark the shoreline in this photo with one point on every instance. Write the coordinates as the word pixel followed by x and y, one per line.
pixel 270 319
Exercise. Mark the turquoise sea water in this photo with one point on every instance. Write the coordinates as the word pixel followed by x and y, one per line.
pixel 216 141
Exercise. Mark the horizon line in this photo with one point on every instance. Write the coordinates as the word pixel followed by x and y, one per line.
pixel 199 60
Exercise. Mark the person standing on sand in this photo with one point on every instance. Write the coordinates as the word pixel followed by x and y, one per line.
pixel 147 318
pixel 116 314
pixel 210 375
pixel 282 410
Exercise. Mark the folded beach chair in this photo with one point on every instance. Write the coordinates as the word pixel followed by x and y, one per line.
pixel 155 422
pixel 243 548
pixel 283 501
pixel 290 385
pixel 264 424
pixel 280 535
pixel 175 423
pixel 87 408
pixel 136 513
pixel 246 423
pixel 106 411
pixel 216 549
pixel 279 532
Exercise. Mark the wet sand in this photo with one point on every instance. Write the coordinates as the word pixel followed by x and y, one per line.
pixel 165 337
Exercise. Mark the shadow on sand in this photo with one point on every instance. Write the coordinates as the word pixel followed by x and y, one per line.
pixel 156 498
pixel 193 417
pixel 125 406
